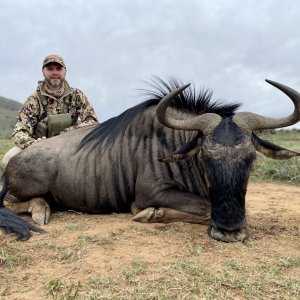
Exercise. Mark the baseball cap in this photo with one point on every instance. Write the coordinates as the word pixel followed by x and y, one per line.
pixel 53 58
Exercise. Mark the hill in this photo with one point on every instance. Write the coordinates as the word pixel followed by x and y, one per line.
pixel 8 115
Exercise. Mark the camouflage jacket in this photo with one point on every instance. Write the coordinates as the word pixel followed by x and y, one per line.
pixel 40 104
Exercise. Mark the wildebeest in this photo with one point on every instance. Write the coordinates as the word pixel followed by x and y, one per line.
pixel 179 156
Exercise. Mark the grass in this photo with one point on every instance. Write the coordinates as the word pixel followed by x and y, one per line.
pixel 188 279
pixel 5 145
pixel 6 259
pixel 137 267
pixel 8 116
pixel 58 290
pixel 281 171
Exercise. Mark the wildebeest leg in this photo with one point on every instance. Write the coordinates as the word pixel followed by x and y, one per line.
pixel 171 198
pixel 171 206
pixel 168 215
pixel 38 207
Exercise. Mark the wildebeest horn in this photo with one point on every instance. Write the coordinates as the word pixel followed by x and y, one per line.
pixel 204 123
pixel 250 121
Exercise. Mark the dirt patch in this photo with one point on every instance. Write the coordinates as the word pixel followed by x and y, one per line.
pixel 110 257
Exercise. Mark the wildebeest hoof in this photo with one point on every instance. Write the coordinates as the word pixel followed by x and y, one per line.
pixel 149 215
pixel 145 215
pixel 40 211
pixel 159 213
pixel 228 236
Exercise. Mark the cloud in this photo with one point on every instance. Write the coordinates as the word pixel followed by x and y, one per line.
pixel 110 47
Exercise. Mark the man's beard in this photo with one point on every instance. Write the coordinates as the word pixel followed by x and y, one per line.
pixel 55 83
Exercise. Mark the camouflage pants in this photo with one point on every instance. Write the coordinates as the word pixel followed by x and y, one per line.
pixel 8 155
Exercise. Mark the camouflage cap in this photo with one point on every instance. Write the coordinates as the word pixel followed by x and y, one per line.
pixel 53 59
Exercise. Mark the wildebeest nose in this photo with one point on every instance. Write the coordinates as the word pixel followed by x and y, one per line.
pixel 228 227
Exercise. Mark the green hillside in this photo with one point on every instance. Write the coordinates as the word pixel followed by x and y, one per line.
pixel 8 115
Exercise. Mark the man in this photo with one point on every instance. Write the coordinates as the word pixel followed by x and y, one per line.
pixel 53 96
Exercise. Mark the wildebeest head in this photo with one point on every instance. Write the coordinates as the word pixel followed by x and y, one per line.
pixel 226 147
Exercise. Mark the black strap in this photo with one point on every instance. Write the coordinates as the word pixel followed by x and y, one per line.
pixel 43 104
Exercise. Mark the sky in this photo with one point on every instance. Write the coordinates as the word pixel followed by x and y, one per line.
pixel 111 47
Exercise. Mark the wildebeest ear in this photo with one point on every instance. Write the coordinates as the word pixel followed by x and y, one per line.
pixel 272 150
pixel 185 151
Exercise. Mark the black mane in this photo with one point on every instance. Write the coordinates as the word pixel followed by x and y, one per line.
pixel 188 101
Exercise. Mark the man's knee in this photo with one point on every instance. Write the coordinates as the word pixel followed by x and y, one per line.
pixel 8 155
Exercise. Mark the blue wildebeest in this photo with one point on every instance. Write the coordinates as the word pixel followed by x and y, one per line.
pixel 177 157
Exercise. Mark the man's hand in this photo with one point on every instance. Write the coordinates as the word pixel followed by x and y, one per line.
pixel 39 139
pixel 70 128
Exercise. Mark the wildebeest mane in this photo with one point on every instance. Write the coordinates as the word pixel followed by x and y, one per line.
pixel 189 101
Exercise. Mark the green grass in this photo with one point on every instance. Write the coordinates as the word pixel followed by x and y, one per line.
pixel 7 123
pixel 286 139
pixel 57 290
pixel 5 145
pixel 8 116
pixel 283 171
pixel 6 259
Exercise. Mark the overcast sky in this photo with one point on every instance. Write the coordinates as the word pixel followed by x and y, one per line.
pixel 111 46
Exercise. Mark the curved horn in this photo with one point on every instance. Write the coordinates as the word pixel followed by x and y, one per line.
pixel 204 123
pixel 250 121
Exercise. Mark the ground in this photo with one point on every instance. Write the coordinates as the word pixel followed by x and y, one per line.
pixel 111 257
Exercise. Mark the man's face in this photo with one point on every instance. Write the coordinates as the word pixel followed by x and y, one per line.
pixel 54 74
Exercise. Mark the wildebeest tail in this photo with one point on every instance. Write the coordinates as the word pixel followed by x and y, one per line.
pixel 10 222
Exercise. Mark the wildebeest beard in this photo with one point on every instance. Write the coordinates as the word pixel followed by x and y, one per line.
pixel 228 184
